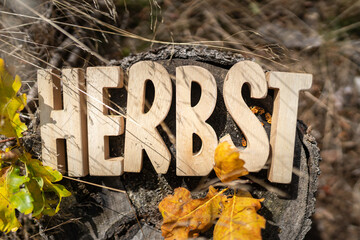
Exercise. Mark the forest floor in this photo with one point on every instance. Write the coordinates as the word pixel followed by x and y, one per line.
pixel 318 37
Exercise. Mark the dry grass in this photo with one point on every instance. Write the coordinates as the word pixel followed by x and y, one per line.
pixel 318 37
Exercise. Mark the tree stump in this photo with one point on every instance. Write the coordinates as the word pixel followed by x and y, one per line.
pixel 101 213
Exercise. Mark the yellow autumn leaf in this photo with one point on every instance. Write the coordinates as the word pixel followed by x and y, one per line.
pixel 10 104
pixel 228 165
pixel 13 196
pixel 239 219
pixel 185 217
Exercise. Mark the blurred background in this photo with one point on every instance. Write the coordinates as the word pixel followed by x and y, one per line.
pixel 318 37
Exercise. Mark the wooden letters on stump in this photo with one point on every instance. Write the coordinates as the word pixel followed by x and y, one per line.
pixel 86 125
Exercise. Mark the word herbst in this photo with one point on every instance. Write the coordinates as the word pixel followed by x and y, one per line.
pixel 82 119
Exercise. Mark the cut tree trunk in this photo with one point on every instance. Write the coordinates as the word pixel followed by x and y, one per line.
pixel 102 213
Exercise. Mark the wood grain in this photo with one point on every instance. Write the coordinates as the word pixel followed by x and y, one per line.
pixel 69 123
pixel 141 133
pixel 283 127
pixel 101 125
pixel 256 153
pixel 190 120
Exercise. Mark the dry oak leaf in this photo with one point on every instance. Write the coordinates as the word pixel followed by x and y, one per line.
pixel 185 217
pixel 228 165
pixel 239 219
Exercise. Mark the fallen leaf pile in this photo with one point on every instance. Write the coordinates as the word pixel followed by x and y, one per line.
pixel 185 217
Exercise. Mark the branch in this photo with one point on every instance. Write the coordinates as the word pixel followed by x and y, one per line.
pixel 7 140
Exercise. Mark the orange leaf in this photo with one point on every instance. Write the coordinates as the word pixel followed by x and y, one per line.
pixel 185 217
pixel 228 165
pixel 239 219
pixel 268 117
pixel 257 110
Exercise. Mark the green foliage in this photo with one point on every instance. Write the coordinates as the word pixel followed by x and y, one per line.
pixel 41 184
pixel 25 184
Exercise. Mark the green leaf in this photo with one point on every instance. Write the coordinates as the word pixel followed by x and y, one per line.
pixel 52 206
pixel 15 180
pixel 42 178
pixel 19 197
pixel 39 181
pixel 37 169
pixel 35 188
pixel 22 201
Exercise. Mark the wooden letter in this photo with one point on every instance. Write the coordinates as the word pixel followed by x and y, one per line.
pixel 191 120
pixel 100 124
pixel 141 132
pixel 256 153
pixel 283 126
pixel 68 124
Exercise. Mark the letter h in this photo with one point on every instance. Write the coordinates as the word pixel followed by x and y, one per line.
pixel 63 123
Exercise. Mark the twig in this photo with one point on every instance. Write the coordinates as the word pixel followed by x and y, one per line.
pixel 94 184
pixel 68 221
pixel 12 138
pixel 7 140
pixel 268 186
